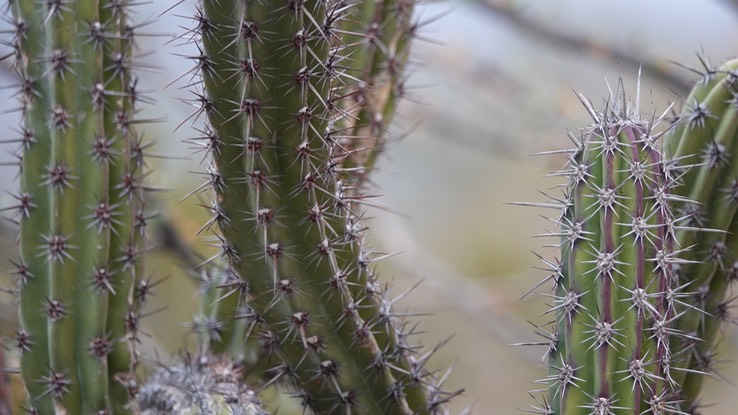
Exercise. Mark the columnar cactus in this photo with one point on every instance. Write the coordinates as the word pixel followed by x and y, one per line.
pixel 704 146
pixel 617 297
pixel 297 276
pixel 80 206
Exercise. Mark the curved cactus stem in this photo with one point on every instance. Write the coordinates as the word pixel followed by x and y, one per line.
pixel 272 75
pixel 707 141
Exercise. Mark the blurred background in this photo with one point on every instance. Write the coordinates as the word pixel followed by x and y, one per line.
pixel 491 84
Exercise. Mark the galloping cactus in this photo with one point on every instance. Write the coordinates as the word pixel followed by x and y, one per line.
pixel 616 298
pixel 80 207
pixel 297 277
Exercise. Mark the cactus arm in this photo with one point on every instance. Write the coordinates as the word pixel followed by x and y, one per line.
pixel 126 194
pixel 713 144
pixel 34 273
pixel 381 35
pixel 609 353
pixel 219 49
pixel 269 72
pixel 713 272
pixel 701 120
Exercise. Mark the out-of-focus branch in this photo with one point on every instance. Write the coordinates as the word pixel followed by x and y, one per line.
pixel 485 308
pixel 511 14
pixel 733 5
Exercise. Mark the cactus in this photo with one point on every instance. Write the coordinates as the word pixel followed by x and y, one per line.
pixel 378 35
pixel 198 386
pixel 616 298
pixel 296 275
pixel 80 206
pixel 704 146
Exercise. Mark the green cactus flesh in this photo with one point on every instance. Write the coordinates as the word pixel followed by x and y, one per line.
pixel 297 281
pixel 616 297
pixel 704 146
pixel 80 205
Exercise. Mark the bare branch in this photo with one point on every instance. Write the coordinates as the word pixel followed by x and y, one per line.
pixel 542 33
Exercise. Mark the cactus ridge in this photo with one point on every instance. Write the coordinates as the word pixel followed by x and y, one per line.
pixel 704 144
pixel 292 287
pixel 617 299
pixel 80 208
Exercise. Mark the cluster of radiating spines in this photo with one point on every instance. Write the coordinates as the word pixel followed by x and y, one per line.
pixel 377 36
pixel 616 296
pixel 199 385
pixel 296 284
pixel 80 206
pixel 704 145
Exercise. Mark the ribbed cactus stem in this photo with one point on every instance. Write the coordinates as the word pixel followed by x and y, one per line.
pixel 378 37
pixel 614 304
pixel 34 200
pixel 80 203
pixel 126 184
pixel 705 146
pixel 271 74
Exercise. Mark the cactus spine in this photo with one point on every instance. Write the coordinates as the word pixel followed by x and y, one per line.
pixel 378 35
pixel 80 206
pixel 297 276
pixel 198 386
pixel 616 297
pixel 704 146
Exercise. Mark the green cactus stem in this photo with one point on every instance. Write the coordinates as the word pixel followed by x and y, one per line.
pixel 378 37
pixel 616 298
pixel 296 274
pixel 80 206
pixel 704 146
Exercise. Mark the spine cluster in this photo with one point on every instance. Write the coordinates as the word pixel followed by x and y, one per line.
pixel 80 207
pixel 616 292
pixel 704 147
pixel 205 385
pixel 648 256
pixel 287 109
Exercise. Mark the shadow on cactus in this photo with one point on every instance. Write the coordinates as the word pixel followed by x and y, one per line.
pixel 646 255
